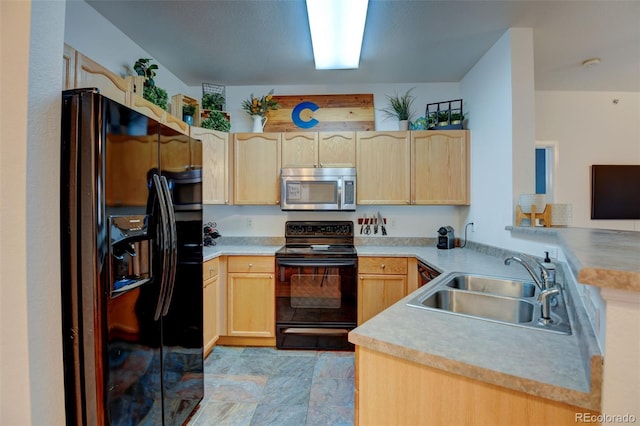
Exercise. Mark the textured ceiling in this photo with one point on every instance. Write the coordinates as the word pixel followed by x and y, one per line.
pixel 267 42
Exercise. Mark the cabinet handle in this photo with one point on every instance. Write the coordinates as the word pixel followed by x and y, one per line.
pixel 383 266
pixel 212 270
pixel 251 265
pixel 270 277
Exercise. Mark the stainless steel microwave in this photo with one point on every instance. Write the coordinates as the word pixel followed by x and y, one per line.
pixel 322 188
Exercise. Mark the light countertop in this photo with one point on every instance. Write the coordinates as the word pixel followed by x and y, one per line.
pixel 600 257
pixel 563 368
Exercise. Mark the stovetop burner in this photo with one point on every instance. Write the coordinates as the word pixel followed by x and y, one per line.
pixel 318 238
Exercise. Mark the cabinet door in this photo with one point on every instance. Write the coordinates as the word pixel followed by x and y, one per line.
pixel 215 165
pixel 68 67
pixel 337 149
pixel 209 323
pixel 300 149
pixel 440 169
pixel 383 160
pixel 91 74
pixel 256 168
pixel 251 304
pixel 378 292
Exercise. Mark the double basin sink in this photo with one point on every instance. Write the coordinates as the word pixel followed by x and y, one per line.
pixel 497 299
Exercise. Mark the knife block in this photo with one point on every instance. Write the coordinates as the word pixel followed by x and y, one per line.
pixel 545 215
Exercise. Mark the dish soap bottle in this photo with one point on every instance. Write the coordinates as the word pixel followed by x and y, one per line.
pixel 551 270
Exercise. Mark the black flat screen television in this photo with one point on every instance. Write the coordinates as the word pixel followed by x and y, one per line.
pixel 615 191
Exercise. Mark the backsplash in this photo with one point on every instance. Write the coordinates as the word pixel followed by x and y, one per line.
pixel 269 221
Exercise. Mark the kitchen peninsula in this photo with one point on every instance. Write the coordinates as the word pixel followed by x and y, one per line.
pixel 461 370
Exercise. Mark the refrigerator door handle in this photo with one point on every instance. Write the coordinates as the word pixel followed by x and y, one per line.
pixel 165 245
pixel 173 241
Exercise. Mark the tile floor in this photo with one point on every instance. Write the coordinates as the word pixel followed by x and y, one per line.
pixel 266 386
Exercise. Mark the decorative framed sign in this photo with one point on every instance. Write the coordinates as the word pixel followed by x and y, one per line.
pixel 318 113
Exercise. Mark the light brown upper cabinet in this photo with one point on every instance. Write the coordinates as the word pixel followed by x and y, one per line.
pixel 323 149
pixel 337 149
pixel 215 165
pixel 440 167
pixel 91 74
pixel 256 168
pixel 300 149
pixel 383 160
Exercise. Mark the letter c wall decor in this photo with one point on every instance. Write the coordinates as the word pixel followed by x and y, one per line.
pixel 297 110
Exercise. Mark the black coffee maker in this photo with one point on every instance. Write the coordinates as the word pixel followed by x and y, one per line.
pixel 446 239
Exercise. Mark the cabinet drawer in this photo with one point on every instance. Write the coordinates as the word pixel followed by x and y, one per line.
pixel 251 264
pixel 210 268
pixel 382 265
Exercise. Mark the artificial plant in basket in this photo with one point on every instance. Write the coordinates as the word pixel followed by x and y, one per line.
pixel 216 121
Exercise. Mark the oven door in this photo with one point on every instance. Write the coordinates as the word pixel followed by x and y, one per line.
pixel 316 302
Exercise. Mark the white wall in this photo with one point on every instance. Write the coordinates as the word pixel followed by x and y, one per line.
pixel 590 129
pixel 31 381
pixel 498 92
pixel 96 37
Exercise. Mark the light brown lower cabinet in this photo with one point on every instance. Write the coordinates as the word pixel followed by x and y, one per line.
pixel 394 391
pixel 251 296
pixel 382 281
pixel 211 275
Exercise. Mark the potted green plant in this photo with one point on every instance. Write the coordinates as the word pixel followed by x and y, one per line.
pixel 443 118
pixel 188 110
pixel 213 101
pixel 154 94
pixel 400 108
pixel 216 121
pixel 456 117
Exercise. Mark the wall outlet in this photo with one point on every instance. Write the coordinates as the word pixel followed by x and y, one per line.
pixel 249 223
pixel 553 252
pixel 473 226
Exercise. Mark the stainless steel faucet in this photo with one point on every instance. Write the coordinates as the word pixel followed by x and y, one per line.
pixel 546 284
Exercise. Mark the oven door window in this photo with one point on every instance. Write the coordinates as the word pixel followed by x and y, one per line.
pixel 311 294
pixel 315 291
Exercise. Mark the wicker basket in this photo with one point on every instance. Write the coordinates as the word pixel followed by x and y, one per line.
pixel 215 89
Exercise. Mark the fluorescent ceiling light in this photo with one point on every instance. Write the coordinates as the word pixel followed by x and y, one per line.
pixel 336 27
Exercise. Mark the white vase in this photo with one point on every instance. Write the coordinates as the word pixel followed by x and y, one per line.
pixel 403 125
pixel 258 123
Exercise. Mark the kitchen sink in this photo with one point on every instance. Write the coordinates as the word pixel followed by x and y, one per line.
pixel 496 299
pixel 485 284
pixel 497 308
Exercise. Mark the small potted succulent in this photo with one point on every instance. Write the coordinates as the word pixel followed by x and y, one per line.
pixel 188 110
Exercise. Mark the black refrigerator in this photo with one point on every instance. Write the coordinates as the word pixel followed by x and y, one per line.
pixel 131 250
